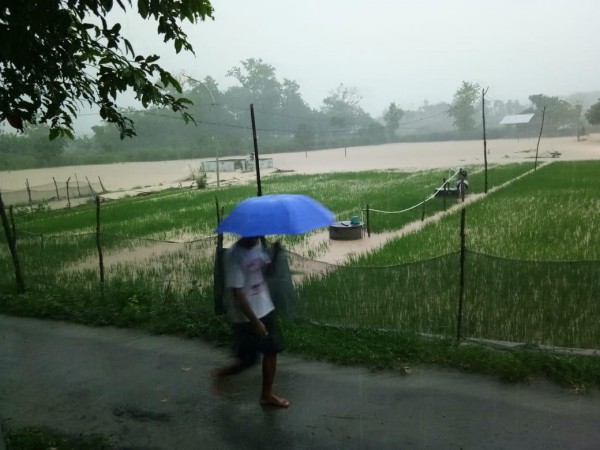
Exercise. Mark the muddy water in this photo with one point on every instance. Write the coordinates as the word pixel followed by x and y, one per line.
pixel 407 156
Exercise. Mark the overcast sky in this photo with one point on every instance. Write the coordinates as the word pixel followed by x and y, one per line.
pixel 399 51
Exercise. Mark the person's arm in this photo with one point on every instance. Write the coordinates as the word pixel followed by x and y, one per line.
pixel 244 306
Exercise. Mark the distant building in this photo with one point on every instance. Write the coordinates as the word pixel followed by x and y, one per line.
pixel 516 119
pixel 520 123
pixel 234 164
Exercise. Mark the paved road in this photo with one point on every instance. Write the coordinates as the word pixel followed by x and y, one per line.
pixel 152 392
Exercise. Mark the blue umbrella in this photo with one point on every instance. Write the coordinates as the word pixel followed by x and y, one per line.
pixel 276 214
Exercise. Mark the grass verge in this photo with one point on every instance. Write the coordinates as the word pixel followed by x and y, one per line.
pixel 43 438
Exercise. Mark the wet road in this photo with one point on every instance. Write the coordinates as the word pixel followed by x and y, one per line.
pixel 153 392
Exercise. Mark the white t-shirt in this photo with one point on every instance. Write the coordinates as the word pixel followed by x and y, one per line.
pixel 244 270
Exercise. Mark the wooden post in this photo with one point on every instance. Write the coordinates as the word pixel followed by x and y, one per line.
pixel 101 185
pixel 368 222
pixel 12 222
pixel 68 196
pixel 445 192
pixel 483 92
pixel 462 276
pixel 56 187
pixel 29 194
pixel 89 185
pixel 539 137
pixel 423 213
pixel 100 256
pixel 12 246
pixel 77 181
pixel 256 159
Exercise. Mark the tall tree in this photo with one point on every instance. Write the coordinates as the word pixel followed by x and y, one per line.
pixel 261 82
pixel 593 114
pixel 342 107
pixel 559 112
pixel 464 106
pixel 58 55
pixel 392 117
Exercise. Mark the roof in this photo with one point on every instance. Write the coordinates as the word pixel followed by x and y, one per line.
pixel 516 118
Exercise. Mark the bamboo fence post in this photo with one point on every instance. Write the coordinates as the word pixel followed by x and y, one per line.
pixel 368 222
pixel 100 256
pixel 89 184
pixel 12 246
pixel 29 194
pixel 256 158
pixel 12 222
pixel 483 92
pixel 56 187
pixel 77 181
pixel 68 196
pixel 445 192
pixel 462 277
pixel 101 185
pixel 539 137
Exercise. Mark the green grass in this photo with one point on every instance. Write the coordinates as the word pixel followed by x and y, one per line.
pixel 549 214
pixel 43 438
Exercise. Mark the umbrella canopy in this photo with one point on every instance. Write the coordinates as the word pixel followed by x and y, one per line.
pixel 276 214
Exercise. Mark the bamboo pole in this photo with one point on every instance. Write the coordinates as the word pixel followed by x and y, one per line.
pixel 483 92
pixel 56 187
pixel 29 194
pixel 77 181
pixel 256 159
pixel 99 246
pixel 101 185
pixel 68 195
pixel 537 149
pixel 12 246
pixel 89 184
pixel 462 276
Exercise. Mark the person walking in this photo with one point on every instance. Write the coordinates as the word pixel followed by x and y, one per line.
pixel 252 315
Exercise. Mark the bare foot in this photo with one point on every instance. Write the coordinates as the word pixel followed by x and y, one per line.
pixel 273 400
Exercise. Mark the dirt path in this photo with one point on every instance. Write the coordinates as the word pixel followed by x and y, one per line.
pixel 337 252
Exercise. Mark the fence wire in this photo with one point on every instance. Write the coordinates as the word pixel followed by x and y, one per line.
pixel 50 192
pixel 536 302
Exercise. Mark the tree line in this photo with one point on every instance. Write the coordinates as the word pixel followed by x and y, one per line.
pixel 220 123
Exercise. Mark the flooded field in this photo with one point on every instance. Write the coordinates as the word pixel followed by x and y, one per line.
pixel 146 176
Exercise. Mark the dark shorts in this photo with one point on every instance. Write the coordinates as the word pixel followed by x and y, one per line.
pixel 249 343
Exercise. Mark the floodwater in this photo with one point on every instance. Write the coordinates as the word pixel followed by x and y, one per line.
pixel 148 176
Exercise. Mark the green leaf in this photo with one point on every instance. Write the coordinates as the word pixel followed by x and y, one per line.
pixel 54 133
pixel 143 8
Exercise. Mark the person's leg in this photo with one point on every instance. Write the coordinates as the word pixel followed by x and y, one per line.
pixel 269 368
pixel 270 346
pixel 245 357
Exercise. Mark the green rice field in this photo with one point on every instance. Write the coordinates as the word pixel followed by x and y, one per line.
pixel 530 270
